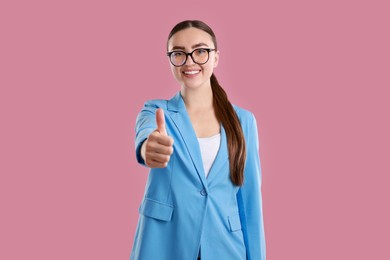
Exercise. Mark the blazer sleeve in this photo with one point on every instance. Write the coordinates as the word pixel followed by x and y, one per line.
pixel 249 197
pixel 145 124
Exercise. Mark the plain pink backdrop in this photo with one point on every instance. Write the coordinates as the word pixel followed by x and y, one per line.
pixel 74 75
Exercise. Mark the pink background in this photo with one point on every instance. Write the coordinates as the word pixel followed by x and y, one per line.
pixel 74 75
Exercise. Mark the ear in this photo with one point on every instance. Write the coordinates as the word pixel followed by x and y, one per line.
pixel 216 59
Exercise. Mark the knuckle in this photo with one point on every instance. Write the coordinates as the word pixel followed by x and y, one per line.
pixel 148 162
pixel 154 135
pixel 151 147
pixel 147 147
pixel 149 143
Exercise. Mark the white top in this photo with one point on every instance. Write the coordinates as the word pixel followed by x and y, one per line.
pixel 209 147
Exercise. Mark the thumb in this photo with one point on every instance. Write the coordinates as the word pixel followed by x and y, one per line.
pixel 160 120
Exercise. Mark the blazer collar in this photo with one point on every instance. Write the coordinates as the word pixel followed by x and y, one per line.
pixel 176 103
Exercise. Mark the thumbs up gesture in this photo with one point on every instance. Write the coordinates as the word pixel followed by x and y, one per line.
pixel 158 147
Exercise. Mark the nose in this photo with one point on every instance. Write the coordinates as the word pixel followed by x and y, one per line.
pixel 189 60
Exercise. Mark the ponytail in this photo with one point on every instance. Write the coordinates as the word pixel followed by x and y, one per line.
pixel 225 114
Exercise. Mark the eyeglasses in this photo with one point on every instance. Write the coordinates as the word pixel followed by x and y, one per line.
pixel 199 56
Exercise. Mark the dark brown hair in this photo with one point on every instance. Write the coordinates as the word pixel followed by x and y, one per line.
pixel 224 111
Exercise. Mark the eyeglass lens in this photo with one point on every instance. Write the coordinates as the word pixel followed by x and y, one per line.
pixel 199 56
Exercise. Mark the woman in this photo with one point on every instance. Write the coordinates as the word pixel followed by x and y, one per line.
pixel 202 198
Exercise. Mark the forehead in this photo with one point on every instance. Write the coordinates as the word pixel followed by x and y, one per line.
pixel 189 37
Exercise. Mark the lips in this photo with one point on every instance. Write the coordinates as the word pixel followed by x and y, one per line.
pixel 191 72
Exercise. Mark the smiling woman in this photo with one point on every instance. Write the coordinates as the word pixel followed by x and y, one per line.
pixel 199 45
pixel 203 194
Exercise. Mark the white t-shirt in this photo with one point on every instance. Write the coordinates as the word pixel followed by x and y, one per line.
pixel 209 147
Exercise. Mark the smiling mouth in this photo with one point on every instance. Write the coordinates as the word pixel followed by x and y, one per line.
pixel 191 72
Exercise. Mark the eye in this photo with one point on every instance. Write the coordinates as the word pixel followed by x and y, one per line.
pixel 200 51
pixel 177 54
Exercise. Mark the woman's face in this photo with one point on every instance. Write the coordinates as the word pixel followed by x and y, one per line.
pixel 192 75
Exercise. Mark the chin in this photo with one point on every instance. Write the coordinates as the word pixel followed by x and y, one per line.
pixel 193 83
pixel 190 86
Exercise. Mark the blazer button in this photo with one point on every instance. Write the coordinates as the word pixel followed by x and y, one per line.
pixel 203 192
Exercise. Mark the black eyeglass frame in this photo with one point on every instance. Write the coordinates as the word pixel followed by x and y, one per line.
pixel 190 54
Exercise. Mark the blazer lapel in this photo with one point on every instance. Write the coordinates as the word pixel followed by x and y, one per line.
pixel 180 118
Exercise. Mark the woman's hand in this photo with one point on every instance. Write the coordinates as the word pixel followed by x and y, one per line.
pixel 158 147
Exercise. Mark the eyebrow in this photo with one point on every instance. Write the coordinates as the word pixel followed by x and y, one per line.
pixel 193 46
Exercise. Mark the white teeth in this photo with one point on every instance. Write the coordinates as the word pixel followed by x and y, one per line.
pixel 191 72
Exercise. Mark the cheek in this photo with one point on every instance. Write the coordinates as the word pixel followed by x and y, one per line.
pixel 175 72
pixel 209 68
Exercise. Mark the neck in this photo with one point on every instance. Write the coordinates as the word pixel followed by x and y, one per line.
pixel 197 99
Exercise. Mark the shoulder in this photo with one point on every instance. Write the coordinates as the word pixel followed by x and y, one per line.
pixel 247 120
pixel 245 116
pixel 152 104
pixel 249 127
pixel 156 103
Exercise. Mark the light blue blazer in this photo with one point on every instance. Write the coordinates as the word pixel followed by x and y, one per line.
pixel 182 211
